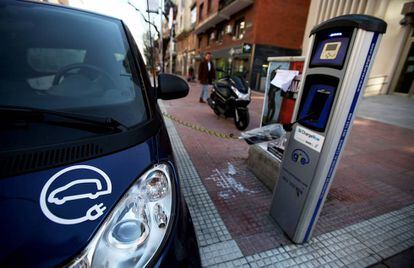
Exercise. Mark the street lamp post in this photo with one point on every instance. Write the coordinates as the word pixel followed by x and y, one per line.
pixel 171 24
pixel 152 47
pixel 160 41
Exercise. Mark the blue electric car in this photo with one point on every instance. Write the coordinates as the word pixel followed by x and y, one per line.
pixel 87 175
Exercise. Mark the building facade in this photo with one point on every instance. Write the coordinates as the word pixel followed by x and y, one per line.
pixel 240 34
pixel 393 68
pixel 184 36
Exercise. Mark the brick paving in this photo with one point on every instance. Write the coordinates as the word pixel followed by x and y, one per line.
pixel 375 176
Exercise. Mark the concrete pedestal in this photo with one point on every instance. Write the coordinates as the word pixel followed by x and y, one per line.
pixel 264 165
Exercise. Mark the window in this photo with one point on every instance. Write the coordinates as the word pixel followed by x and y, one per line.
pixel 200 15
pixel 49 60
pixel 209 6
pixel 240 66
pixel 59 62
pixel 222 4
pixel 239 29
pixel 200 38
pixel 220 33
pixel 193 16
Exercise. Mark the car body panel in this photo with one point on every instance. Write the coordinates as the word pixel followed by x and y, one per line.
pixel 50 212
pixel 30 238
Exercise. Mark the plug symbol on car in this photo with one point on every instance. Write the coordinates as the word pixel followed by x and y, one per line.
pixel 95 212
pixel 58 196
pixel 88 188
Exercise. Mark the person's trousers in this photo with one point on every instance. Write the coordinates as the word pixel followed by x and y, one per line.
pixel 204 92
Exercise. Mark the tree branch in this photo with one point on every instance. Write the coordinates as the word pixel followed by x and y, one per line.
pixel 146 20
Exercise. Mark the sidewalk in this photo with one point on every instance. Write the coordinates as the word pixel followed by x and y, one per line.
pixel 390 109
pixel 403 259
pixel 375 179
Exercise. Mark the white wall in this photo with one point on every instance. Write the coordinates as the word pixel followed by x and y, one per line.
pixel 389 52
pixel 392 42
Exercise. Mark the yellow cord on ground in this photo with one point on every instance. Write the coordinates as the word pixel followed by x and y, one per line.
pixel 200 129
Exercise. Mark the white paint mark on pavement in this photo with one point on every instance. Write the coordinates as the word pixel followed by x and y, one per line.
pixel 230 186
pixel 231 169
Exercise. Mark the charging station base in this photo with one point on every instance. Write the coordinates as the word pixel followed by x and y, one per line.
pixel 263 164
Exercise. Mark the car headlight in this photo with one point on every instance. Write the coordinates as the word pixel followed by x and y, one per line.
pixel 136 227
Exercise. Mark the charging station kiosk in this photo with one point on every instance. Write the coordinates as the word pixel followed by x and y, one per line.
pixel 338 62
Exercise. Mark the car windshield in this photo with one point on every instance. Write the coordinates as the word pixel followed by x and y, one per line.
pixel 53 58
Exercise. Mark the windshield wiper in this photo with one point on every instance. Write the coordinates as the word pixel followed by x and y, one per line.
pixel 108 123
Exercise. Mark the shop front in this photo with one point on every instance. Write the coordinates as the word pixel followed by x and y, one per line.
pixel 233 60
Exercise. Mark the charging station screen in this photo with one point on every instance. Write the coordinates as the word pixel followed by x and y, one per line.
pixel 317 105
pixel 316 102
pixel 330 49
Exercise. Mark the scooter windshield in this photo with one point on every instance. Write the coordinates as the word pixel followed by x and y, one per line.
pixel 240 84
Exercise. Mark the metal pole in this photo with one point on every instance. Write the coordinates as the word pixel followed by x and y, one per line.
pixel 171 40
pixel 152 46
pixel 160 42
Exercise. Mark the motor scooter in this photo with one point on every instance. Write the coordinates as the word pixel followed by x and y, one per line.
pixel 230 97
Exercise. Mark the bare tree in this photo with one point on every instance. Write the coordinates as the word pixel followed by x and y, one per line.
pixel 148 49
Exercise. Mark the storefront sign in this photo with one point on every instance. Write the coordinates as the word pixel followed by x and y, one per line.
pixel 247 48
pixel 244 49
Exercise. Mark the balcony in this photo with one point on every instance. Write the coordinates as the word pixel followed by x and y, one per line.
pixel 226 10
pixel 230 7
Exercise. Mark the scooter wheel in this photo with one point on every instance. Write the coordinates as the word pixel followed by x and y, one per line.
pixel 243 122
pixel 216 112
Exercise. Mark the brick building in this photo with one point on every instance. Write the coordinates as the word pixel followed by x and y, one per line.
pixel 184 35
pixel 241 34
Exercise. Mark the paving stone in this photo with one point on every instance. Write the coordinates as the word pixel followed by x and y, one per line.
pixel 365 219
pixel 209 227
pixel 219 253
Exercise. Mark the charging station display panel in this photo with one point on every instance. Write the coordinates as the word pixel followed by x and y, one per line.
pixel 331 49
pixel 317 100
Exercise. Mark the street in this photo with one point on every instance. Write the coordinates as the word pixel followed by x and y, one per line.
pixel 375 177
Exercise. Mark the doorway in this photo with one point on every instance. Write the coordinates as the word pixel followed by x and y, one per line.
pixel 404 83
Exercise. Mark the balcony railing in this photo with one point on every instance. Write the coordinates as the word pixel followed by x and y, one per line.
pixel 228 8
pixel 224 3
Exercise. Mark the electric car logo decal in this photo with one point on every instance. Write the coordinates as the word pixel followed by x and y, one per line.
pixel 73 188
pixel 299 156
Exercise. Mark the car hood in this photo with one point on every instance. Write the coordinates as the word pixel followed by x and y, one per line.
pixel 48 217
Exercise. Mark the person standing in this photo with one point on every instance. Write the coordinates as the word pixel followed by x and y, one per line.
pixel 190 76
pixel 206 75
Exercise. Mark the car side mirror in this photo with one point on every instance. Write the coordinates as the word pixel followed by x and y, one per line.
pixel 171 87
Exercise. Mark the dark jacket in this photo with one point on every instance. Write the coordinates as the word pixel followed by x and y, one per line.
pixel 204 76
